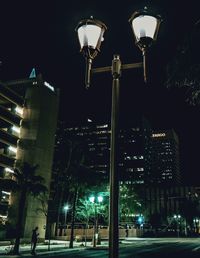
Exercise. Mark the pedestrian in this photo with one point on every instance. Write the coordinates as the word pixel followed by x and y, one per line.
pixel 34 239
pixel 126 231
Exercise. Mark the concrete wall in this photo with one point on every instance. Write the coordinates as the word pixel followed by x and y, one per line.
pixel 36 146
pixel 80 234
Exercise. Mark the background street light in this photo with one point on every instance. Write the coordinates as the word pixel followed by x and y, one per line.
pixel 178 220
pixel 196 225
pixel 90 34
pixel 66 208
pixel 96 200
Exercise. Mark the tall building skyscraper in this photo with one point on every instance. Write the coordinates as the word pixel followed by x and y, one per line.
pixel 27 134
pixel 165 168
pixel 145 156
pixel 95 141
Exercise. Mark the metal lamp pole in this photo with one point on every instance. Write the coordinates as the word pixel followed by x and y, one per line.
pixel 94 200
pixel 66 208
pixel 116 69
pixel 90 35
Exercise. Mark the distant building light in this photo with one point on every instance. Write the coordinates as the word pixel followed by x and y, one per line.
pixel 102 126
pixel 139 169
pixel 49 86
pixel 9 170
pixel 16 129
pixel 154 135
pixel 19 110
pixel 13 149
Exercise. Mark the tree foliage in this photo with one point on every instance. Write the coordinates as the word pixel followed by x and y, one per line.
pixel 183 72
pixel 130 202
pixel 25 182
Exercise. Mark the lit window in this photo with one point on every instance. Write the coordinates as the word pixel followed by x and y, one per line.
pixel 19 110
pixel 129 169
pixel 102 126
pixel 4 192
pixel 13 149
pixel 91 149
pixel 16 129
pixel 139 169
pixel 3 216
pixel 9 170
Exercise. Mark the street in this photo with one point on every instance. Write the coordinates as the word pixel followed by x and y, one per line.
pixel 132 248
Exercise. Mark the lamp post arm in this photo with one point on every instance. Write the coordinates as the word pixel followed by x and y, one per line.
pixel 131 66
pixel 123 67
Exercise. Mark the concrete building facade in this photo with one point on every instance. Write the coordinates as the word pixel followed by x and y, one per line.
pixel 28 119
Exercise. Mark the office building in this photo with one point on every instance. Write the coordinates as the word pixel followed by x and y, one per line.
pixel 165 167
pixel 28 118
pixel 144 157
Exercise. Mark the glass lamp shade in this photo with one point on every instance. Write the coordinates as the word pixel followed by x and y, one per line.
pixel 100 198
pixel 92 199
pixel 145 28
pixel 90 34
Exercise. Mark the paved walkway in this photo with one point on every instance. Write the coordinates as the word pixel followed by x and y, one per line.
pixel 55 246
pixel 60 246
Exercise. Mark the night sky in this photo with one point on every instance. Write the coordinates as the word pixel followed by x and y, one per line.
pixel 41 34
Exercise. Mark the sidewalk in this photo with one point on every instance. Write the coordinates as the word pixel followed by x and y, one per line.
pixel 44 248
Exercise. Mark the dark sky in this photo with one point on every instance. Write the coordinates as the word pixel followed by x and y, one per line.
pixel 41 34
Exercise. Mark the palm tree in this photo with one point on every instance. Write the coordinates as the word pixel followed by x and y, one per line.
pixel 24 182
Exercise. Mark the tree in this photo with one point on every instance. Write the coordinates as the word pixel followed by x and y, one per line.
pixel 183 72
pixel 73 178
pixel 130 202
pixel 24 182
pixel 79 178
pixel 156 220
pixel 86 210
pixel 190 208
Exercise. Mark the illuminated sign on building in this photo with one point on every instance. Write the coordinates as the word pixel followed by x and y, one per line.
pixel 49 86
pixel 154 135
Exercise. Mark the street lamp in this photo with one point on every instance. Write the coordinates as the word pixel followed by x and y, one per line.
pixel 90 34
pixel 96 200
pixel 145 28
pixel 66 208
pixel 177 219
pixel 196 225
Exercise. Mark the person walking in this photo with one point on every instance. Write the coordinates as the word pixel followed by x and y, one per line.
pixel 126 231
pixel 34 239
